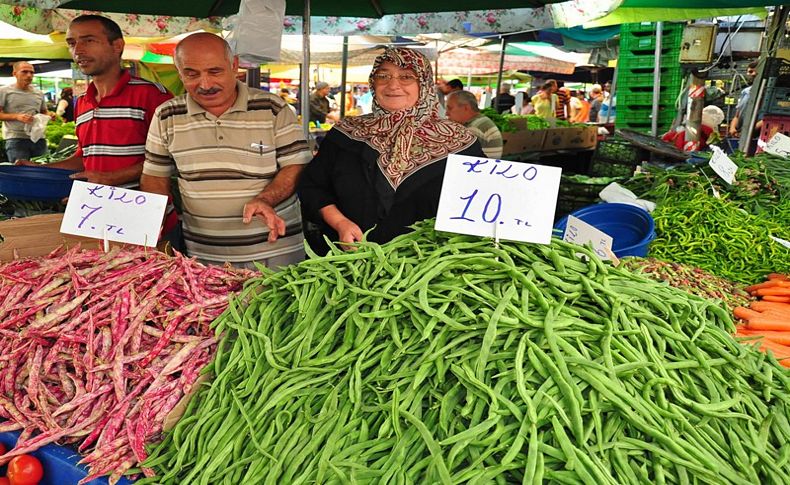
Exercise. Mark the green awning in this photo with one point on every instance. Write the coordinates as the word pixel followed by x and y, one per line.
pixel 634 11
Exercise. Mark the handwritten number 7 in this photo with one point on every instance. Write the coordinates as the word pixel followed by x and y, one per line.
pixel 90 213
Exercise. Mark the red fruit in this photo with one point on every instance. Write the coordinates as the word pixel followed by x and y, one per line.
pixel 25 470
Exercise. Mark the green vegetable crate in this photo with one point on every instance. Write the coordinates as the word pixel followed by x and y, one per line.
pixel 616 158
pixel 577 191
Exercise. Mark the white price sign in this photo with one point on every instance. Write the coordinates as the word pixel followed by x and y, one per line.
pixel 579 232
pixel 113 213
pixel 722 165
pixel 778 145
pixel 498 198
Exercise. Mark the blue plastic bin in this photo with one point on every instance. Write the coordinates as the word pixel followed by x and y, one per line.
pixel 34 183
pixel 631 227
pixel 59 462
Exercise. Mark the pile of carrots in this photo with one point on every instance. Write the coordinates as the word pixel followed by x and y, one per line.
pixel 768 319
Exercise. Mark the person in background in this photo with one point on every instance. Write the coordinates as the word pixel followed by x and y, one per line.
pixel 462 108
pixel 65 108
pixel 545 101
pixel 455 85
pixel 736 124
pixel 580 108
pixel 596 101
pixel 19 103
pixel 562 108
pixel 383 172
pixel 365 100
pixel 526 107
pixel 504 100
pixel 237 152
pixel 113 115
pixel 319 104
pixel 606 90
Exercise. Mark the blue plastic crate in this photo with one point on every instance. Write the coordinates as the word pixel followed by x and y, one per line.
pixel 34 183
pixel 60 464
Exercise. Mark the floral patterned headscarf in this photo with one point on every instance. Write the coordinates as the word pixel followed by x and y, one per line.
pixel 412 138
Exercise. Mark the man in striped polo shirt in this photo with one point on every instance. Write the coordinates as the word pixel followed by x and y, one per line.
pixel 462 108
pixel 237 152
pixel 113 116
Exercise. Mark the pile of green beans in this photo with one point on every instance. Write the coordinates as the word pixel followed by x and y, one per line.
pixel 716 235
pixel 440 358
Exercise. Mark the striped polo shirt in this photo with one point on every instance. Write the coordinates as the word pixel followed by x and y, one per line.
pixel 111 133
pixel 220 167
pixel 487 134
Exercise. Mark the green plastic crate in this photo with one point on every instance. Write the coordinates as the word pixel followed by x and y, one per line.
pixel 645 98
pixel 649 27
pixel 671 60
pixel 632 115
pixel 633 44
pixel 669 78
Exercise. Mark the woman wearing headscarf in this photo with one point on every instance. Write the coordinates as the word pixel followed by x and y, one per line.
pixel 384 171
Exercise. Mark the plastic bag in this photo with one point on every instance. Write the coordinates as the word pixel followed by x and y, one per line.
pixel 615 192
pixel 37 129
pixel 256 31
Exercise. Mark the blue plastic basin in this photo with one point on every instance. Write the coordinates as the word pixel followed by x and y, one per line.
pixel 34 183
pixel 631 227
pixel 59 463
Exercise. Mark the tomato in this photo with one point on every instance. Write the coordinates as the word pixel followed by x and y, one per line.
pixel 25 470
pixel 4 481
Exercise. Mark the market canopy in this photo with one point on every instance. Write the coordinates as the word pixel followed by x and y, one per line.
pixel 45 16
pixel 634 11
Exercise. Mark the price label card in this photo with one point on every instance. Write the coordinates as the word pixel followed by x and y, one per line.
pixel 113 213
pixel 498 198
pixel 781 241
pixel 579 232
pixel 778 145
pixel 722 165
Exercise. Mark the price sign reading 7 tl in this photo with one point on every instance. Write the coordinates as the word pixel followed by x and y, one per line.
pixel 113 213
pixel 498 198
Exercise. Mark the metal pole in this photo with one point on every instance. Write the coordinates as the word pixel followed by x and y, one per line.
pixel 499 75
pixel 753 105
pixel 304 82
pixel 656 80
pixel 611 93
pixel 343 79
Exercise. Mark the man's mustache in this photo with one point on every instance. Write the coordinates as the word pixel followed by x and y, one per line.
pixel 207 91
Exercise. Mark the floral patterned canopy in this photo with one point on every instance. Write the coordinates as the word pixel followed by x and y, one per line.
pixel 43 17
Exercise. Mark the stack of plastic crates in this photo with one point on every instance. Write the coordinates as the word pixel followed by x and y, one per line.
pixel 577 191
pixel 635 77
pixel 615 157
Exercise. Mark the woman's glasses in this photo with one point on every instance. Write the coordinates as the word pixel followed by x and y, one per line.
pixel 403 79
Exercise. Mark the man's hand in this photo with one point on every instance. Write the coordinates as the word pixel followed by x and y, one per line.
pixel 93 177
pixel 348 232
pixel 24 118
pixel 27 163
pixel 275 223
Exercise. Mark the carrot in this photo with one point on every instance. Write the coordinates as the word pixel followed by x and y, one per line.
pixel 768 284
pixel 745 313
pixel 778 299
pixel 764 306
pixel 780 351
pixel 769 322
pixel 778 276
pixel 773 292
pixel 782 338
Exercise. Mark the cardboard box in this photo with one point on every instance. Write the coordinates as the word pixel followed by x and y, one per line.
pixel 523 141
pixel 582 138
pixel 37 236
pixel 554 140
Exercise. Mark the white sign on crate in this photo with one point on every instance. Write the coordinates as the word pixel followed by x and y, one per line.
pixel 498 198
pixel 778 145
pixel 722 165
pixel 579 232
pixel 113 213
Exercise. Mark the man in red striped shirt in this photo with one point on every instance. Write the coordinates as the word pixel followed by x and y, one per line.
pixel 113 116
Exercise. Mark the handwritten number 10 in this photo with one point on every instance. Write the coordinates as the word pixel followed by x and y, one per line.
pixel 494 203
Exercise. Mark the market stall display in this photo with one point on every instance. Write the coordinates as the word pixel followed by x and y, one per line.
pixel 97 348
pixel 768 320
pixel 439 358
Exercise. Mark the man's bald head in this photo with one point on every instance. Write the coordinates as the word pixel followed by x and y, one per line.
pixel 200 42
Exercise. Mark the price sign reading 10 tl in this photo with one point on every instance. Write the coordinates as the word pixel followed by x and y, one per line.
pixel 498 198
